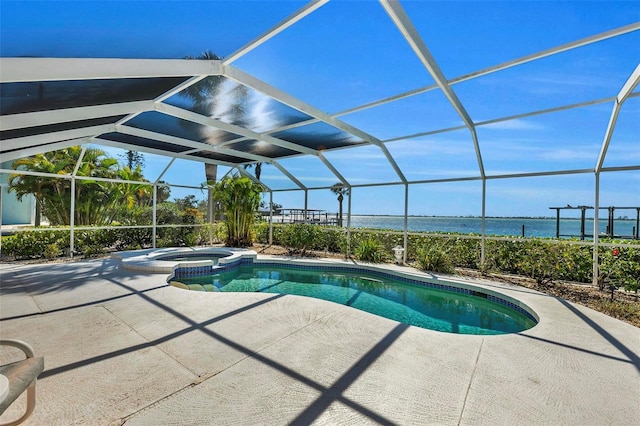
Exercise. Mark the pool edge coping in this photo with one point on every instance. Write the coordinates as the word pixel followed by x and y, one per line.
pixel 404 272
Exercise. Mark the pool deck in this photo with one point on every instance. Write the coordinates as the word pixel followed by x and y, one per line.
pixel 123 347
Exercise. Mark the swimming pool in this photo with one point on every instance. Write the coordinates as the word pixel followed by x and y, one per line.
pixel 433 306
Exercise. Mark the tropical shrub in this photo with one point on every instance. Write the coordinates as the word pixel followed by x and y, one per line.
pixel 129 238
pixel 214 233
pixel 239 198
pixel 301 237
pixel 91 242
pixel 504 255
pixel 178 213
pixel 464 252
pixel 298 237
pixel 92 250
pixel 51 251
pixel 333 240
pixel 541 262
pixel 619 268
pixel 32 244
pixel 261 231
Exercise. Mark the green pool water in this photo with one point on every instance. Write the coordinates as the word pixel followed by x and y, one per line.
pixel 411 304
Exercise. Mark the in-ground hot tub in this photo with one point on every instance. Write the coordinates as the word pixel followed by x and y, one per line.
pixel 190 260
pixel 191 257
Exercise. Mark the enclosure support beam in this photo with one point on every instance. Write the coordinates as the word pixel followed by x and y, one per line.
pixel 349 222
pixel 596 234
pixel 505 65
pixel 270 217
pixel 406 223
pixel 250 81
pixel 484 211
pixel 281 26
pixel 48 138
pixel 623 95
pixel 56 69
pixel 287 174
pixel 72 216
pixel 1 190
pixel 210 212
pixel 411 35
pixel 154 214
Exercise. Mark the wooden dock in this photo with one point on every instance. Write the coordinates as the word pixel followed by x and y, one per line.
pixel 312 216
pixel 610 231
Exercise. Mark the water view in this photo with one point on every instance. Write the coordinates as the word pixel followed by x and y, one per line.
pixel 533 227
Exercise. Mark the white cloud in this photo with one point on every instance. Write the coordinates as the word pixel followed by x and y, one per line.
pixel 569 155
pixel 356 155
pixel 565 79
pixel 442 173
pixel 428 146
pixel 319 179
pixel 517 124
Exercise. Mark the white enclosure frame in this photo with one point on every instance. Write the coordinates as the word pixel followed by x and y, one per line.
pixel 65 69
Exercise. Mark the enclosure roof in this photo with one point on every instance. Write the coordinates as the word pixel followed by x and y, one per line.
pixel 305 82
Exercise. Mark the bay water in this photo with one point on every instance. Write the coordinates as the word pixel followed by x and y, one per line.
pixel 502 226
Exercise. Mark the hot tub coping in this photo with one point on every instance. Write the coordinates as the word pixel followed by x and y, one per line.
pixel 150 260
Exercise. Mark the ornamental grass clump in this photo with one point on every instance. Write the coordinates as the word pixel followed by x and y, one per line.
pixel 434 259
pixel 369 250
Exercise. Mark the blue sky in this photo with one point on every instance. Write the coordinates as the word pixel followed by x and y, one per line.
pixel 349 53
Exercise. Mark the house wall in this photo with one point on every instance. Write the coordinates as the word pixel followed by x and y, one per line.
pixel 15 212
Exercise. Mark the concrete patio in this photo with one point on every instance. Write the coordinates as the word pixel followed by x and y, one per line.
pixel 122 347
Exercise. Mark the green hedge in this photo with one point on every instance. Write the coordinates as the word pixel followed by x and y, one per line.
pixel 543 260
pixel 33 244
pixel 36 244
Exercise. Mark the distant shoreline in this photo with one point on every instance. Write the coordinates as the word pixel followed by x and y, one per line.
pixel 486 217
pixel 540 227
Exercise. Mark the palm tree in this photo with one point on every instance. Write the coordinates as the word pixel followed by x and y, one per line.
pixel 258 170
pixel 96 201
pixel 340 190
pixel 133 159
pixel 40 187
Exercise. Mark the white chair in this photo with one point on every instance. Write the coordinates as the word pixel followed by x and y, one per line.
pixel 17 377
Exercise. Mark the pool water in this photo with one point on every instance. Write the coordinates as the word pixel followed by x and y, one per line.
pixel 411 304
